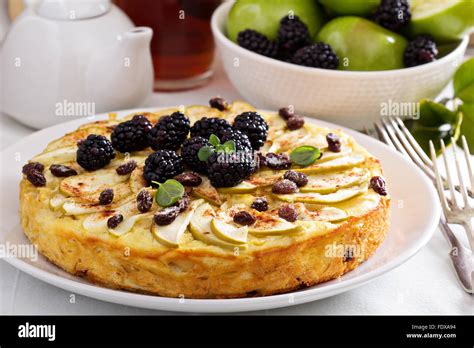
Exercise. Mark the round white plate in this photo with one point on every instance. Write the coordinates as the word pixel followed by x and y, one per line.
pixel 415 215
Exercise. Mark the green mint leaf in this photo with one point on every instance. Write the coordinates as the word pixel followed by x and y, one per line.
pixel 204 153
pixel 305 155
pixel 214 140
pixel 229 146
pixel 169 193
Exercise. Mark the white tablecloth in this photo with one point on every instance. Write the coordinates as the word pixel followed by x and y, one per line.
pixel 425 284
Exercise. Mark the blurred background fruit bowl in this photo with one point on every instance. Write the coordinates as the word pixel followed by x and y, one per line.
pixel 350 98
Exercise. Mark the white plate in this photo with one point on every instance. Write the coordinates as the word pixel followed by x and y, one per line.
pixel 415 215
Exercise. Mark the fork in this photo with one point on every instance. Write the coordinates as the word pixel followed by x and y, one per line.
pixel 453 211
pixel 394 133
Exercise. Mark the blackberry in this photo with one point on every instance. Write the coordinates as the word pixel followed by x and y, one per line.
pixel 189 152
pixel 254 126
pixel 207 126
pixel 393 14
pixel 292 35
pixel 258 43
pixel 241 140
pixel 131 135
pixel 169 132
pixel 318 55
pixel 162 165
pixel 94 152
pixel 230 169
pixel 420 51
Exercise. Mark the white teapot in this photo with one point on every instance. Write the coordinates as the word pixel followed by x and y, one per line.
pixel 69 58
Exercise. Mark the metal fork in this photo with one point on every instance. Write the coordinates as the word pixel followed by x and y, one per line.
pixel 454 212
pixel 394 133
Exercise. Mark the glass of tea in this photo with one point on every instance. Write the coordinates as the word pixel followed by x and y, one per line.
pixel 182 45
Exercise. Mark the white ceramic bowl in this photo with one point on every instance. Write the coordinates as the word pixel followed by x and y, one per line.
pixel 350 98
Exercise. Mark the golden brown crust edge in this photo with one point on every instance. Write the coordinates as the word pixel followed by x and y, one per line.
pixel 200 274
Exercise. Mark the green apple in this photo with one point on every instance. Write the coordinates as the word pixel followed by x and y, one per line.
pixel 264 16
pixel 290 140
pixel 331 182
pixel 91 183
pixel 444 20
pixel 467 125
pixel 200 227
pixel 126 225
pixel 317 198
pixel 137 181
pixel 243 187
pixel 338 163
pixel 463 81
pixel 57 156
pixel 57 201
pixel 362 45
pixel 228 232
pixel 351 7
pixel 170 235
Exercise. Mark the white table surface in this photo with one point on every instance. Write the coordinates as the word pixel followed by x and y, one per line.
pixel 426 284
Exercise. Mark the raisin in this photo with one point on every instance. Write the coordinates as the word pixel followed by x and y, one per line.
pixel 166 216
pixel 300 179
pixel 126 168
pixel 106 197
pixel 218 103
pixel 260 204
pixel 32 166
pixel 36 178
pixel 284 186
pixel 288 212
pixel 114 221
pixel 334 143
pixel 244 218
pixel 377 183
pixel 62 171
pixel 285 113
pixel 190 179
pixel 144 201
pixel 277 161
pixel 295 122
pixel 183 203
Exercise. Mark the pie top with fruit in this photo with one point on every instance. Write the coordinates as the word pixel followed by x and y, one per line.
pixel 224 178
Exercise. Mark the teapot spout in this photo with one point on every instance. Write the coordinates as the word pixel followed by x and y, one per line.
pixel 136 39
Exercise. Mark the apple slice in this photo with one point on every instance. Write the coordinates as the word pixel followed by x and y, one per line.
pixel 332 165
pixel 207 192
pixel 200 227
pixel 236 108
pixel 88 184
pixel 57 201
pixel 290 140
pixel 265 178
pixel 243 187
pixel 57 156
pixel 313 197
pixel 170 235
pixel 137 181
pixel 331 182
pixel 126 225
pixel 228 232
pixel 196 112
pixel 328 214
pixel 267 224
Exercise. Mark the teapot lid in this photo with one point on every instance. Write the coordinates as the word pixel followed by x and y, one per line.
pixel 72 10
